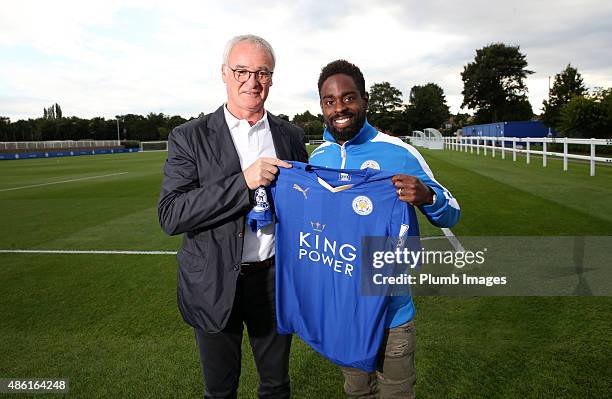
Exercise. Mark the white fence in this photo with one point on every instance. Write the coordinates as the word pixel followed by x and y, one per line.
pixel 505 145
pixel 49 145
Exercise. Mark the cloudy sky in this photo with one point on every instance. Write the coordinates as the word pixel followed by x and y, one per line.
pixel 103 58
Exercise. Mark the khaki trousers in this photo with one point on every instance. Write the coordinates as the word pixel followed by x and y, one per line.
pixel 395 375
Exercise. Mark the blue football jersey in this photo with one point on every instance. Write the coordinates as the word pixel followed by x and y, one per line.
pixel 373 149
pixel 322 214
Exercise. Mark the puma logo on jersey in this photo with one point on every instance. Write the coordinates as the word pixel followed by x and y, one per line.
pixel 301 190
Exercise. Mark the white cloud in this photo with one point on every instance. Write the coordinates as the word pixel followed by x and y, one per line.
pixel 115 57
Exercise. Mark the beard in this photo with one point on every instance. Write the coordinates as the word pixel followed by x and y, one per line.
pixel 348 132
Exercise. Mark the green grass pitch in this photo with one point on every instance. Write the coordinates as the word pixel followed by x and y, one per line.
pixel 110 323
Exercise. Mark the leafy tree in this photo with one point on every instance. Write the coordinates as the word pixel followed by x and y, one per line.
pixel 605 105
pixel 515 110
pixel 101 129
pixel 302 119
pixel 567 84
pixel 312 125
pixel 284 117
pixel 494 84
pixel 163 132
pixel 157 119
pixel 401 125
pixel 5 127
pixel 588 116
pixel 58 111
pixel 314 130
pixel 384 98
pixel 174 121
pixel 427 106
pixel 53 112
pixel 21 130
pixel 460 120
pixel 385 105
pixel 577 117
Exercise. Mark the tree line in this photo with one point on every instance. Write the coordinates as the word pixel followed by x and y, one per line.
pixel 130 127
pixel 494 89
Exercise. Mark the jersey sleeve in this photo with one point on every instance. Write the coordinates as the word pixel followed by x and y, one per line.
pixel 445 211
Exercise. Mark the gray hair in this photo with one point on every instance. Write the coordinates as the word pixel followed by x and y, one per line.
pixel 256 40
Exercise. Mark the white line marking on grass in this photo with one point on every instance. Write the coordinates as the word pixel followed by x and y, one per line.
pixel 448 234
pixel 64 181
pixel 433 238
pixel 453 240
pixel 72 252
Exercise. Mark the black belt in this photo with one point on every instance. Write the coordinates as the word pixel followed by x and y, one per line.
pixel 250 267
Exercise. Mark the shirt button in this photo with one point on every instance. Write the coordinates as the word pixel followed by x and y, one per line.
pixel 240 234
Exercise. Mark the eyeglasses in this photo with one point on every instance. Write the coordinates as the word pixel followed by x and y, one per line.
pixel 242 75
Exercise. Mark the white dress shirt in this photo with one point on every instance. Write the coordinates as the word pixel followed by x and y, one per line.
pixel 253 142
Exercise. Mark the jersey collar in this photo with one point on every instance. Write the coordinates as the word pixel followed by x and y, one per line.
pixel 366 133
pixel 312 172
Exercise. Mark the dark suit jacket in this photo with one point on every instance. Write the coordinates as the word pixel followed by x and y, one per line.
pixel 204 195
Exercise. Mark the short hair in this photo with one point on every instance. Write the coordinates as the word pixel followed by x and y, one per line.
pixel 253 39
pixel 346 68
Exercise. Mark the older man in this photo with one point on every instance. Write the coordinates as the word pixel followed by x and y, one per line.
pixel 352 143
pixel 226 272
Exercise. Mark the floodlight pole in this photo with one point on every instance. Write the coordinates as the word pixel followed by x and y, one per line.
pixel 118 137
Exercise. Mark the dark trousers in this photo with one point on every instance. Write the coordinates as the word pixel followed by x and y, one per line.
pixel 220 353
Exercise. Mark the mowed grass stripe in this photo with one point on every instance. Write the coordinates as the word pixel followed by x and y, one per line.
pixel 498 197
pixel 35 171
pixel 513 347
pixel 114 213
pixel 568 188
pixel 138 230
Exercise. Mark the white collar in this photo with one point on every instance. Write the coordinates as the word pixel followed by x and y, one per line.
pixel 232 121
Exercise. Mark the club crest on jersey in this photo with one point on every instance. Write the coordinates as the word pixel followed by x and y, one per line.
pixel 344 177
pixel 370 163
pixel 301 190
pixel 261 200
pixel 362 205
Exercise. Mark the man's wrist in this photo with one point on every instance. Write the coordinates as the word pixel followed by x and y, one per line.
pixel 433 196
